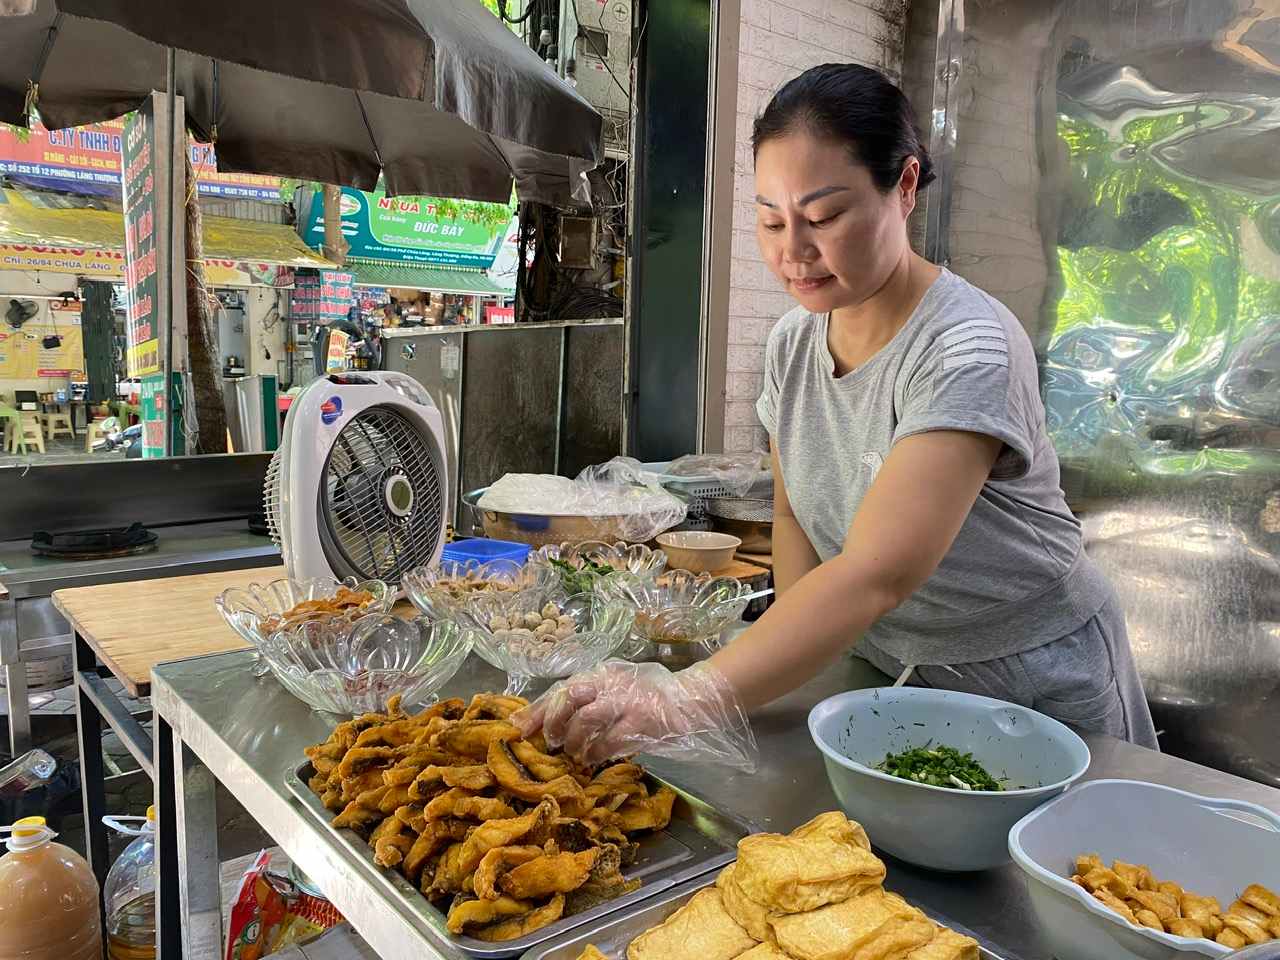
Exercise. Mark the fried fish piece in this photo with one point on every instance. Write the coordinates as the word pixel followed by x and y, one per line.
pixel 857 927
pixel 701 928
pixel 605 882
pixel 567 833
pixel 493 706
pixel 496 863
pixel 393 798
pixel 450 876
pixel 332 800
pixel 748 914
pixel 548 875
pixel 394 734
pixel 795 874
pixel 542 765
pixel 516 780
pixel 946 945
pixel 390 846
pixel 1260 898
pixel 471 738
pixel 504 833
pixel 1182 927
pixel 525 924
pixel 475 913
pixel 457 802
pixel 353 787
pixel 434 838
pixel 421 757
pixel 357 760
pixel 356 816
pixel 835 826
pixel 651 813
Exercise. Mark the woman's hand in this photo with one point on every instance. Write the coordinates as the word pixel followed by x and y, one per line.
pixel 618 709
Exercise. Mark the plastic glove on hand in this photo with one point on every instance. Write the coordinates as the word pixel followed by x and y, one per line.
pixel 618 709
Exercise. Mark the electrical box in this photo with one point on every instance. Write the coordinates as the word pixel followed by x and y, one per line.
pixel 596 36
pixel 579 241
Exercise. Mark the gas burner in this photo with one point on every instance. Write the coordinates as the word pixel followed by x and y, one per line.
pixel 94 544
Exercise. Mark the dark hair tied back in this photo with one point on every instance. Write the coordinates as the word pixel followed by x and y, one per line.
pixel 854 105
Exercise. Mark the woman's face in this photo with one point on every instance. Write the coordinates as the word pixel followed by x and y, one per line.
pixel 824 228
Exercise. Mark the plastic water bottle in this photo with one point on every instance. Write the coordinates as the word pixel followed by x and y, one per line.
pixel 130 891
pixel 48 898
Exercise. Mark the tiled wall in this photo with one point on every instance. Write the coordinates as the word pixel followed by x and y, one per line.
pixel 780 39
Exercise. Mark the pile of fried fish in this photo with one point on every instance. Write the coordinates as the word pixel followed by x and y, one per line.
pixel 813 894
pixel 503 834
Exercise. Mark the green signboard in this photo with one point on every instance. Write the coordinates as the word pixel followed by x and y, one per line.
pixel 406 230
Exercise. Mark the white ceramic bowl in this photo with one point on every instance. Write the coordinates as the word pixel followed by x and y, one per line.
pixel 1213 847
pixel 935 827
pixel 698 551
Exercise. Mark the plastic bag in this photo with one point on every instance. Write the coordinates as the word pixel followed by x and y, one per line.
pixel 741 474
pixel 637 507
pixel 271 913
pixel 618 709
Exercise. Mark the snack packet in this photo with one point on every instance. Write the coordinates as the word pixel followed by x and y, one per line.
pixel 270 913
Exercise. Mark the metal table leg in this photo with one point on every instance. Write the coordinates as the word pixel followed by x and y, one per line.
pixel 188 897
pixel 15 681
pixel 93 789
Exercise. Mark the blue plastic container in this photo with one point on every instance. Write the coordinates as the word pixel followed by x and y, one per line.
pixel 483 550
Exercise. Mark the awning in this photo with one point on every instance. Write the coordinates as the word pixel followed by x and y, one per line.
pixel 90 241
pixel 415 276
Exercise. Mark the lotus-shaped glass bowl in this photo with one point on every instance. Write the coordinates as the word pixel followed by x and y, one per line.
pixel 349 664
pixel 588 628
pixel 681 615
pixel 634 558
pixel 440 591
pixel 256 611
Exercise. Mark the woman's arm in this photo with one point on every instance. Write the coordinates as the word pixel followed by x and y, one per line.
pixel 904 527
pixel 793 554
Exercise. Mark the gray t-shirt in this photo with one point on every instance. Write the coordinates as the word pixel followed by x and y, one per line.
pixel 1015 577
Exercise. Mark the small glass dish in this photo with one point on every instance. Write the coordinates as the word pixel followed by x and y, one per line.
pixel 586 629
pixel 634 558
pixel 349 665
pixel 440 591
pixel 259 609
pixel 680 616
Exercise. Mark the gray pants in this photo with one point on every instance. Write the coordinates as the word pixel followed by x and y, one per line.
pixel 1086 679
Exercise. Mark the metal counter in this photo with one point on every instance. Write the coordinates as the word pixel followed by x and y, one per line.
pixel 248 733
pixel 31 630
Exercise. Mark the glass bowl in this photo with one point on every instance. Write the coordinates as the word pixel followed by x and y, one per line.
pixel 440 591
pixel 259 609
pixel 633 558
pixel 679 616
pixel 350 664
pixel 591 627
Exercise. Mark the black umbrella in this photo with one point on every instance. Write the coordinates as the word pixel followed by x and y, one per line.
pixel 437 95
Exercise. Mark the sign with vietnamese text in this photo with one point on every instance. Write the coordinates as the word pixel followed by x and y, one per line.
pixel 87 159
pixel 321 297
pixel 405 230
pixel 139 147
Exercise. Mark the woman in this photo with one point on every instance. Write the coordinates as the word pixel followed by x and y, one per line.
pixel 917 505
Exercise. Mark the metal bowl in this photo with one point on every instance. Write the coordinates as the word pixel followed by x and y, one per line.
pixel 600 625
pixel 679 618
pixel 750 520
pixel 351 665
pixel 634 558
pixel 440 591
pixel 255 611
pixel 1037 756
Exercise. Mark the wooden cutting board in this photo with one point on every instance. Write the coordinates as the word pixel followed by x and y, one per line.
pixel 133 626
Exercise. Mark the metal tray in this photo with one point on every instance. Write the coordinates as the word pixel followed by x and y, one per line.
pixel 612 937
pixel 699 840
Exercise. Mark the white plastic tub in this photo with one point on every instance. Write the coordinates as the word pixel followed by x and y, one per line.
pixel 1212 847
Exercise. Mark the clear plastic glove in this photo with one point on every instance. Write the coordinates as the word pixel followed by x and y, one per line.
pixel 618 709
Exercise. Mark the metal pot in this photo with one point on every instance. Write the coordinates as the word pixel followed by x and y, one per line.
pixel 749 520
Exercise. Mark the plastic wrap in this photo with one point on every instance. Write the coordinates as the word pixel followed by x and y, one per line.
pixel 618 709
pixel 621 491
pixel 739 474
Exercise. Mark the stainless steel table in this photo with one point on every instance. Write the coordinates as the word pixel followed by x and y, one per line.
pixel 223 723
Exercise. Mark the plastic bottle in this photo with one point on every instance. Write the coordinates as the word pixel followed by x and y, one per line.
pixel 48 898
pixel 130 891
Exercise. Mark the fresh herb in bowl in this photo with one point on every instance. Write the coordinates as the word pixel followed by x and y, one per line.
pixel 939 767
pixel 582 578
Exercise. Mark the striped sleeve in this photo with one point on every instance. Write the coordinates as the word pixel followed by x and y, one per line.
pixel 966 381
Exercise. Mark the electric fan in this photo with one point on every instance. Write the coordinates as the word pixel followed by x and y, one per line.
pixel 358 486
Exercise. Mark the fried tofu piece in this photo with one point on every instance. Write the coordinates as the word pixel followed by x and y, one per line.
pixel 1232 938
pixel 1086 862
pixel 478 913
pixel 701 928
pixel 841 930
pixel 1198 908
pixel 493 706
pixel 1146 918
pixel 1260 898
pixel 1163 905
pixel 1182 927
pixel 946 945
pixel 549 875
pixel 835 826
pixel 748 914
pixel 1136 875
pixel 1170 888
pixel 591 952
pixel 1103 878
pixel 496 863
pixel 504 833
pixel 796 874
pixel 761 951
pixel 525 924
pixel 1108 899
pixel 471 738
pixel 1246 928
pixel 1242 909
pixel 651 813
pixel 1273 927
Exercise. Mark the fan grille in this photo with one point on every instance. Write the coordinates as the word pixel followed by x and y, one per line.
pixel 271 497
pixel 374 528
